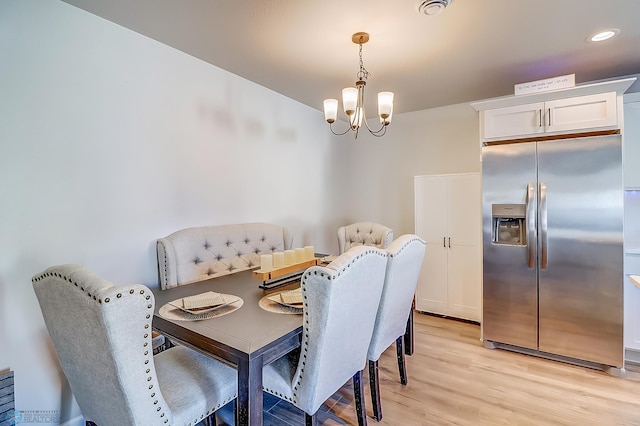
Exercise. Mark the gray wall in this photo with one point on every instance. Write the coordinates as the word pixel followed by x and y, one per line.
pixel 109 140
pixel 376 174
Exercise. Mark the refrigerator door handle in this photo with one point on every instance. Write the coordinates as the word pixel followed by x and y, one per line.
pixel 543 225
pixel 531 224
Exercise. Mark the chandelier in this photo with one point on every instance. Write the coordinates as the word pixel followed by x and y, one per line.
pixel 353 101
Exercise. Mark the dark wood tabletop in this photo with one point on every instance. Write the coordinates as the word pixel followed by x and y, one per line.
pixel 246 339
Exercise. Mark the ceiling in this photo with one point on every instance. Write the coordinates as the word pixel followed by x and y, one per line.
pixel 474 49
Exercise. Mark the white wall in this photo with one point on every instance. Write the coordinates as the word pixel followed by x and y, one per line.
pixel 109 140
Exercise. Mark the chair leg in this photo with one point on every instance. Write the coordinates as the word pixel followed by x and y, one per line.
pixel 374 386
pixel 211 420
pixel 310 420
pixel 409 344
pixel 358 395
pixel 401 366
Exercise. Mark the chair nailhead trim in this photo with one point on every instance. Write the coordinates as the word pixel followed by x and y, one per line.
pixel 146 335
pixel 305 348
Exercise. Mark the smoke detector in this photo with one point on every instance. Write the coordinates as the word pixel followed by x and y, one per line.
pixel 432 7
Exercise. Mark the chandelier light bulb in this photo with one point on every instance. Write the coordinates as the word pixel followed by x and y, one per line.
pixel 349 100
pixel 330 110
pixel 385 104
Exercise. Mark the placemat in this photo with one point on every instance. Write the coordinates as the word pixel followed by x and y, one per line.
pixel 171 312
pixel 271 306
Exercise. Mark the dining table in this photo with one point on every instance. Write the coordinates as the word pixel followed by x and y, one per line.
pixel 246 338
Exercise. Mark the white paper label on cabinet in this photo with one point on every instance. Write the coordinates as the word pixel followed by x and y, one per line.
pixel 561 82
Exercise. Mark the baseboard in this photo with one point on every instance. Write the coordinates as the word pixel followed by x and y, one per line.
pixel 433 314
pixel 632 356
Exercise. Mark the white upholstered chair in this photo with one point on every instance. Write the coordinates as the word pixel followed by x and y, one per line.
pixel 363 233
pixel 406 255
pixel 102 335
pixel 340 306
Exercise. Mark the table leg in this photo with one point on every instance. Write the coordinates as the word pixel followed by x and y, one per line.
pixel 408 336
pixel 249 402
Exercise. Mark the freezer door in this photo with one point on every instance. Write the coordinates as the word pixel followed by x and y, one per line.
pixel 510 292
pixel 580 242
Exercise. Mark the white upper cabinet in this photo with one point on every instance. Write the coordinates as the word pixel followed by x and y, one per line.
pixel 510 122
pixel 582 113
pixel 581 109
pixel 571 115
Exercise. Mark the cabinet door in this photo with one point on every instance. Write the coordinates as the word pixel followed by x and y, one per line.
pixel 464 206
pixel 632 306
pixel 465 282
pixel 581 113
pixel 431 225
pixel 632 315
pixel 515 121
pixel 431 208
pixel 431 292
pixel 465 252
pixel 631 145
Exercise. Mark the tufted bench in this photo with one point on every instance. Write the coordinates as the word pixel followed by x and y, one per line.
pixel 200 253
pixel 363 233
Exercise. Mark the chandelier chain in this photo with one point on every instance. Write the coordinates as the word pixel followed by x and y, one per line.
pixel 363 74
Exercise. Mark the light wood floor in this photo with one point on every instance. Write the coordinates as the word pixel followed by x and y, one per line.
pixel 454 380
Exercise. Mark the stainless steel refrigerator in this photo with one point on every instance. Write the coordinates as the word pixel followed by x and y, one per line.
pixel 552 248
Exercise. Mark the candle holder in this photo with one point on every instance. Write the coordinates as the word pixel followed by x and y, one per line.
pixel 284 275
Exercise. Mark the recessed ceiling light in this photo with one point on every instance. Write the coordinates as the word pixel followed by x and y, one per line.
pixel 604 35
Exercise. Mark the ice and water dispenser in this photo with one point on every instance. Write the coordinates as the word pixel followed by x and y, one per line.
pixel 509 224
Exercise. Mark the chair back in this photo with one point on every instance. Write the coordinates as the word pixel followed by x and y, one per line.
pixel 364 233
pixel 102 335
pixel 340 305
pixel 203 252
pixel 406 255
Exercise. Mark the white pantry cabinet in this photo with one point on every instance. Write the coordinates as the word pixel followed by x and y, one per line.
pixel 448 216
pixel 569 115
